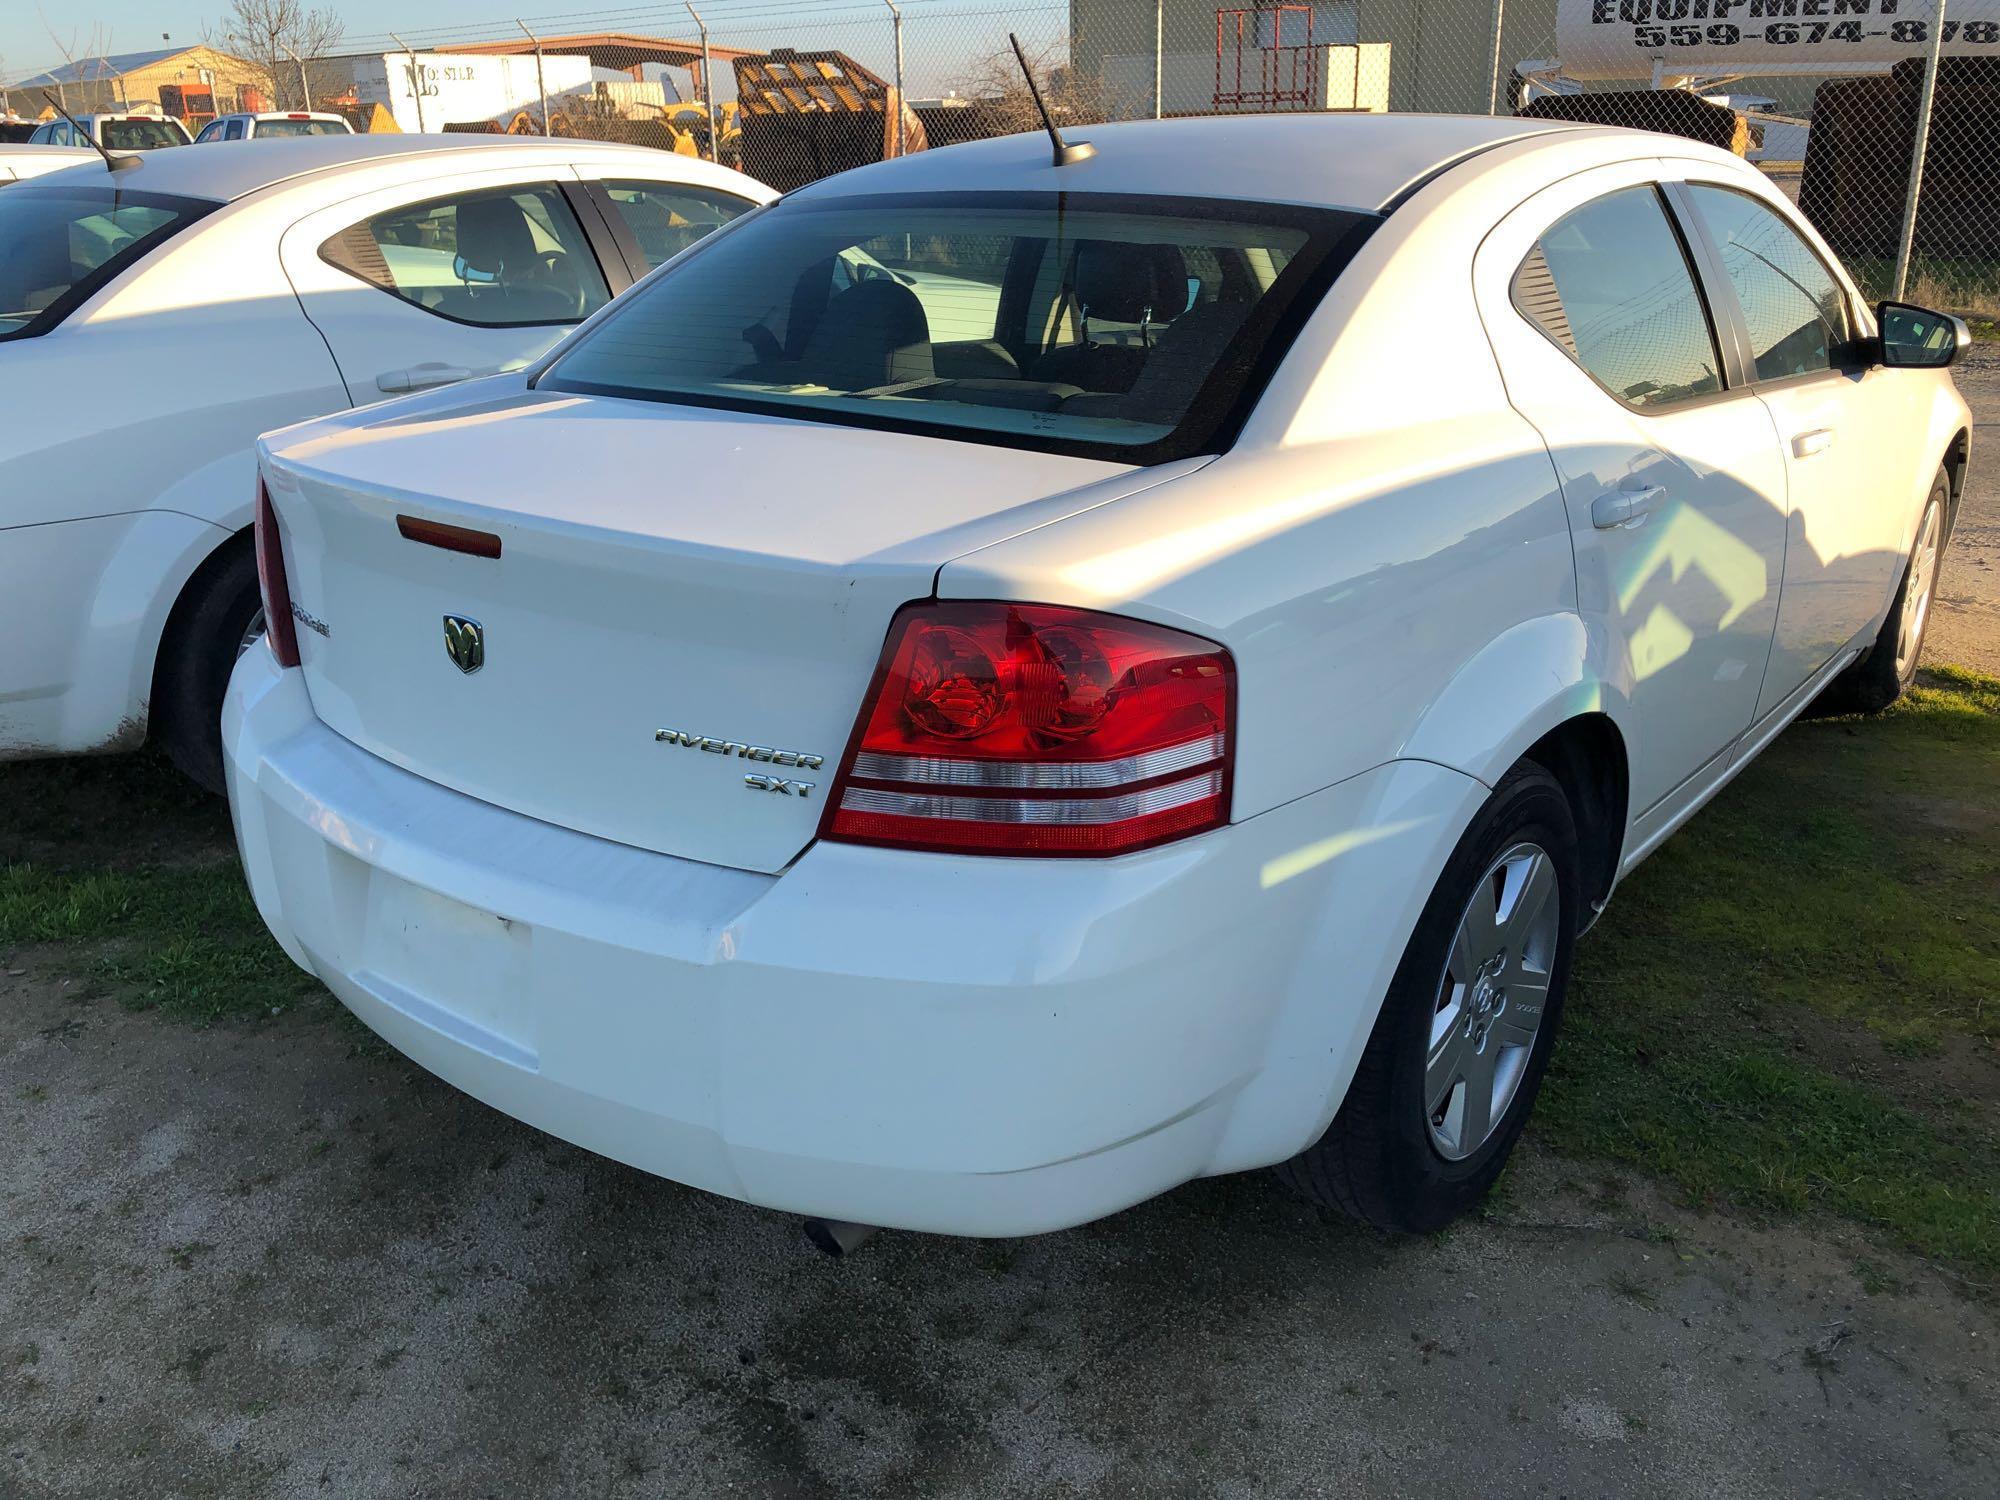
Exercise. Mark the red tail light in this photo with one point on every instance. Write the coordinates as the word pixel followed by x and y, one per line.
pixel 272 584
pixel 998 728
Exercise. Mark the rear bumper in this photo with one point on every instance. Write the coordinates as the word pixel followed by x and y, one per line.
pixel 975 1046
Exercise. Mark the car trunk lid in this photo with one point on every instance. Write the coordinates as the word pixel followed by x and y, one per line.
pixel 682 599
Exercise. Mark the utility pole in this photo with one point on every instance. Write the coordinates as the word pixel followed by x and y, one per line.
pixel 1906 240
pixel 541 86
pixel 707 84
pixel 305 89
pixel 416 79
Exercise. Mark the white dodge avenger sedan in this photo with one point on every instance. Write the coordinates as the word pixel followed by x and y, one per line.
pixel 989 688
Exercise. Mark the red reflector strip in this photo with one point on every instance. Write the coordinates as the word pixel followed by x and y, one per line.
pixel 1028 838
pixel 451 538
pixel 1054 776
pixel 1025 810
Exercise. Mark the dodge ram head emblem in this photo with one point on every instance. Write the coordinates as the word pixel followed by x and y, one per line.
pixel 464 643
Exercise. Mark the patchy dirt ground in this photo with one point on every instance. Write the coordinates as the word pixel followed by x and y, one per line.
pixel 269 1258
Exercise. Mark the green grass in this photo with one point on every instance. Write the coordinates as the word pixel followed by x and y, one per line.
pixel 131 874
pixel 1794 1005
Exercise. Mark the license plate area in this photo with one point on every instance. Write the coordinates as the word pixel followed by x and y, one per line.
pixel 454 967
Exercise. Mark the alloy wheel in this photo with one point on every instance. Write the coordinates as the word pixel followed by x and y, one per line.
pixel 1491 999
pixel 1917 593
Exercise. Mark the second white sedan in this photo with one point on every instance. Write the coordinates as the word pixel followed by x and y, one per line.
pixel 155 320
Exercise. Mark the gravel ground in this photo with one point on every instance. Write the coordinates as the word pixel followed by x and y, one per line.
pixel 278 1262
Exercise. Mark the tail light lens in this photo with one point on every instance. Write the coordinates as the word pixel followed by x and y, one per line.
pixel 998 728
pixel 272 584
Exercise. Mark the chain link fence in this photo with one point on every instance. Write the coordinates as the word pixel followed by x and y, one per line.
pixel 1846 104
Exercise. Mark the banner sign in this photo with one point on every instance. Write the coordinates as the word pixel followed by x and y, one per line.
pixel 1623 39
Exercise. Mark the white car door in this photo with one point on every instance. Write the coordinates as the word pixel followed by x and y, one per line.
pixel 1844 427
pixel 432 283
pixel 1673 480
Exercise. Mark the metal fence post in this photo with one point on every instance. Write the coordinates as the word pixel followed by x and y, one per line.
pixel 1159 55
pixel 896 12
pixel 541 85
pixel 416 79
pixel 1906 241
pixel 1493 79
pixel 707 84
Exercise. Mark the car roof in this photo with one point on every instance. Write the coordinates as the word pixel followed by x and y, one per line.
pixel 1356 161
pixel 224 175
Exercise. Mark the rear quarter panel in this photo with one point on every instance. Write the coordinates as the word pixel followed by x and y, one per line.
pixel 1385 549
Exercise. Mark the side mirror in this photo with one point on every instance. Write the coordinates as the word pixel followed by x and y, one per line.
pixel 1917 338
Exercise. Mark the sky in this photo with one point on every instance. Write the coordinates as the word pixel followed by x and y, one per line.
pixel 938 34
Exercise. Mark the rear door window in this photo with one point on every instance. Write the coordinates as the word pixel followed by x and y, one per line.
pixel 1610 283
pixel 58 245
pixel 1794 309
pixel 499 257
pixel 666 217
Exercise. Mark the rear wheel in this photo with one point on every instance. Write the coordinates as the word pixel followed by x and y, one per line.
pixel 1458 1051
pixel 219 616
pixel 1880 677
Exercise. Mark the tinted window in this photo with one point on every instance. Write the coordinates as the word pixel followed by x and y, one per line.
pixel 233 131
pixel 1796 313
pixel 58 245
pixel 212 131
pixel 1060 323
pixel 138 135
pixel 1610 283
pixel 501 257
pixel 666 218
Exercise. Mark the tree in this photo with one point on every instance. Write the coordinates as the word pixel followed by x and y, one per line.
pixel 994 80
pixel 286 46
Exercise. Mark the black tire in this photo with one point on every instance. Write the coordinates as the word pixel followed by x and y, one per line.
pixel 1377 1162
pixel 204 635
pixel 1880 677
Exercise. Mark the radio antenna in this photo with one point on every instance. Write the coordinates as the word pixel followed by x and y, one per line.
pixel 111 163
pixel 1066 154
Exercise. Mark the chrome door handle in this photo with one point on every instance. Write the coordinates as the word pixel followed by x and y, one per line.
pixel 420 378
pixel 1806 444
pixel 1625 508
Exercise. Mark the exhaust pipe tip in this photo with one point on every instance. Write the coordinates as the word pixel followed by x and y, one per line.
pixel 836 1237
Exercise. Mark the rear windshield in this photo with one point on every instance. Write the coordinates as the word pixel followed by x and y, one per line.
pixel 1135 329
pixel 303 127
pixel 138 135
pixel 59 244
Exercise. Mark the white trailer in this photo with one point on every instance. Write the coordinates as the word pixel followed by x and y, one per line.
pixel 430 90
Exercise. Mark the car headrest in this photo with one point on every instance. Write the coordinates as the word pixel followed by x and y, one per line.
pixel 874 333
pixel 1127 283
pixel 493 236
